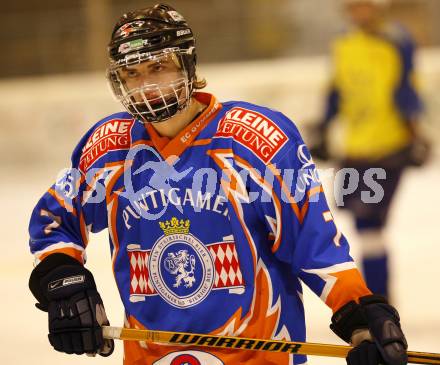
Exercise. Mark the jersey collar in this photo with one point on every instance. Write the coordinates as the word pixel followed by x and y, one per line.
pixel 175 146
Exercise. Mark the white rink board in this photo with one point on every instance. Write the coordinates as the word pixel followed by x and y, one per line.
pixel 47 116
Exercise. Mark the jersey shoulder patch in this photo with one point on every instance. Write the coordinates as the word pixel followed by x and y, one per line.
pixel 110 134
pixel 253 128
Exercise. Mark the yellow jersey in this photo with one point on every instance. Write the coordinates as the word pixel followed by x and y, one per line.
pixel 373 92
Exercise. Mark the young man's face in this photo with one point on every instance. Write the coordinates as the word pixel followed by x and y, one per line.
pixel 159 73
pixel 364 14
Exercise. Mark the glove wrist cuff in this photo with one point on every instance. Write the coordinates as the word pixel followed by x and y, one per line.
pixel 59 275
pixel 352 317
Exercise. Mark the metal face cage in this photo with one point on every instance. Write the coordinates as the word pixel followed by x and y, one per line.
pixel 152 86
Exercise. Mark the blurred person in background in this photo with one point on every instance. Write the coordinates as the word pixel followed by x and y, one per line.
pixel 373 94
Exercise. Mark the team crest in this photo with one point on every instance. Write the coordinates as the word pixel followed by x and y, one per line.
pixel 181 269
pixel 180 266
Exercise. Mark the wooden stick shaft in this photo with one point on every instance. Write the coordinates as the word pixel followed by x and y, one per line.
pixel 195 339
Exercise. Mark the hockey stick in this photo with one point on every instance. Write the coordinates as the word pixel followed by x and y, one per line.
pixel 195 339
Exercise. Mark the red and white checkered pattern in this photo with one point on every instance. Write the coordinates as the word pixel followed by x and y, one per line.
pixel 224 255
pixel 227 267
pixel 139 276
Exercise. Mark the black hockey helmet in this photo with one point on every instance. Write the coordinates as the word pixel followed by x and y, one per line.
pixel 141 35
pixel 152 29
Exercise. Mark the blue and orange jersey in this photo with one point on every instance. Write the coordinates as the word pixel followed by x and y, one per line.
pixel 373 90
pixel 213 231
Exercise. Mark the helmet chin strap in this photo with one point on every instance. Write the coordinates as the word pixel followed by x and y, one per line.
pixel 190 111
pixel 172 126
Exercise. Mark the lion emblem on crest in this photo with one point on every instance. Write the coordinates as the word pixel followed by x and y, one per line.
pixel 181 264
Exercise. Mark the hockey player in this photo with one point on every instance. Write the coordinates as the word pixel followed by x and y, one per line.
pixel 373 93
pixel 215 214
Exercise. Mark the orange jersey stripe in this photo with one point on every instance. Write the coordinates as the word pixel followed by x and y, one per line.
pixel 62 202
pixel 349 286
pixel 70 251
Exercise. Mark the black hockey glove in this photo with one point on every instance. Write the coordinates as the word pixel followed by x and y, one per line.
pixel 420 152
pixel 67 291
pixel 386 343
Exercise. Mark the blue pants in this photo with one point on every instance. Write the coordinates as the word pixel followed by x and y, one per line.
pixel 373 216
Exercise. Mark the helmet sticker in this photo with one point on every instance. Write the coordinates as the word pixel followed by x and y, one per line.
pixel 132 45
pixel 182 32
pixel 129 27
pixel 176 16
